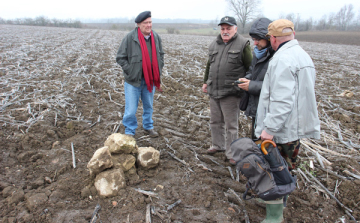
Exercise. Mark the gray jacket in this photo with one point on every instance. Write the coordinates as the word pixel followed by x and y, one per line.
pixel 287 106
pixel 129 57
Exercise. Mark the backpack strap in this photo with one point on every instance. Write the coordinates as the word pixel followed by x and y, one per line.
pixel 248 187
pixel 278 169
pixel 284 200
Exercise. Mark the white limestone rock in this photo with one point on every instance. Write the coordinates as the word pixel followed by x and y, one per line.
pixel 123 161
pixel 108 183
pixel 148 157
pixel 100 161
pixel 120 143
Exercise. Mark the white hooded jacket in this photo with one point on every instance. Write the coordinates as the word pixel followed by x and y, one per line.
pixel 287 105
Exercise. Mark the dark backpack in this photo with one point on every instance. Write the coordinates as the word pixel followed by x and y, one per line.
pixel 268 175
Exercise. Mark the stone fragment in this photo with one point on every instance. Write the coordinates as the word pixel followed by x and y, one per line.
pixel 100 161
pixel 36 200
pixel 109 182
pixel 120 143
pixel 123 161
pixel 48 180
pixel 148 157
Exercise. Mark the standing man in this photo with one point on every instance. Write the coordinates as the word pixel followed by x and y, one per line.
pixel 229 59
pixel 287 108
pixel 253 80
pixel 142 58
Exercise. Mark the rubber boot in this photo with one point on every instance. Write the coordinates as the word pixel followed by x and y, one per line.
pixel 274 213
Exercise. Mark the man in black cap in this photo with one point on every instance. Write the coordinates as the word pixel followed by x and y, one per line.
pixel 142 58
pixel 229 58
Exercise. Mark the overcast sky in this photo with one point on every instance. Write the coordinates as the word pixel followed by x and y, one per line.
pixel 162 9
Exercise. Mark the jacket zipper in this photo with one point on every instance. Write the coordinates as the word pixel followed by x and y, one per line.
pixel 217 72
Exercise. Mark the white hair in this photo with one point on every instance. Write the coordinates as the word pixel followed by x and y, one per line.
pixel 287 30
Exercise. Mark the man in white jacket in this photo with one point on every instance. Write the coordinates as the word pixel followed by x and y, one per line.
pixel 287 108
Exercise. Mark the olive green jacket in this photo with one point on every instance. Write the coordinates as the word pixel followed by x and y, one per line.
pixel 129 57
pixel 227 63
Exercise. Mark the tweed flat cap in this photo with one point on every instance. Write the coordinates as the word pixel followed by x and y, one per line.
pixel 276 28
pixel 142 16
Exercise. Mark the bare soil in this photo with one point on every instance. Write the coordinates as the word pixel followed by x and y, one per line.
pixel 62 86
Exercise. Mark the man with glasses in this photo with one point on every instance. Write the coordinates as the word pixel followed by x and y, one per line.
pixel 287 109
pixel 253 80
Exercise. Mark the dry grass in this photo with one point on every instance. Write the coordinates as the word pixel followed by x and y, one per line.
pixel 348 38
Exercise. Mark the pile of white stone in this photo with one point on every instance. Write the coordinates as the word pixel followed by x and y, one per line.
pixel 119 155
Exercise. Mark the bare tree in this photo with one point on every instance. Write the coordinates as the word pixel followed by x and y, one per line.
pixel 321 24
pixel 244 10
pixel 331 20
pixel 357 22
pixel 291 17
pixel 344 16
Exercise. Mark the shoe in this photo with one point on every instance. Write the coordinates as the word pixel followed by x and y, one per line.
pixel 213 150
pixel 232 162
pixel 152 133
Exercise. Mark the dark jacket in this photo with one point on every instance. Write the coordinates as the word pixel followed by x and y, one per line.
pixel 129 57
pixel 226 66
pixel 256 76
pixel 258 67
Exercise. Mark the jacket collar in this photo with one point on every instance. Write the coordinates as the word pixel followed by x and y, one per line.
pixel 219 40
pixel 288 45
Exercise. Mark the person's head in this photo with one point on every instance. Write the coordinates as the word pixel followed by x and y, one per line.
pixel 144 22
pixel 228 28
pixel 280 31
pixel 258 32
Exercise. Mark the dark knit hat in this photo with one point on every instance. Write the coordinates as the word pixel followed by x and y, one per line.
pixel 142 16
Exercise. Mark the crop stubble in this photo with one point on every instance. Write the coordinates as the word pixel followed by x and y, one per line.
pixel 62 86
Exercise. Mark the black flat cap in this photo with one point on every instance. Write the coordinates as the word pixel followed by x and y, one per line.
pixel 142 16
pixel 228 20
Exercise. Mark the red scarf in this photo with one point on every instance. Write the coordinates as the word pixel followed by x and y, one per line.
pixel 150 70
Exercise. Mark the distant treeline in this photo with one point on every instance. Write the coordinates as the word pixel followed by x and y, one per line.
pixel 154 20
pixel 43 21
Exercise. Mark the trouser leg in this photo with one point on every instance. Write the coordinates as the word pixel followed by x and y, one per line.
pixel 147 99
pixel 290 151
pixel 253 136
pixel 231 112
pixel 132 95
pixel 217 124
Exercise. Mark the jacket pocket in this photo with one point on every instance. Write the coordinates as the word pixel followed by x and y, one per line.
pixel 161 60
pixel 212 56
pixel 233 56
pixel 135 68
pixel 209 85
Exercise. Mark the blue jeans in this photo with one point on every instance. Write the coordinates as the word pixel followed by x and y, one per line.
pixel 132 96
